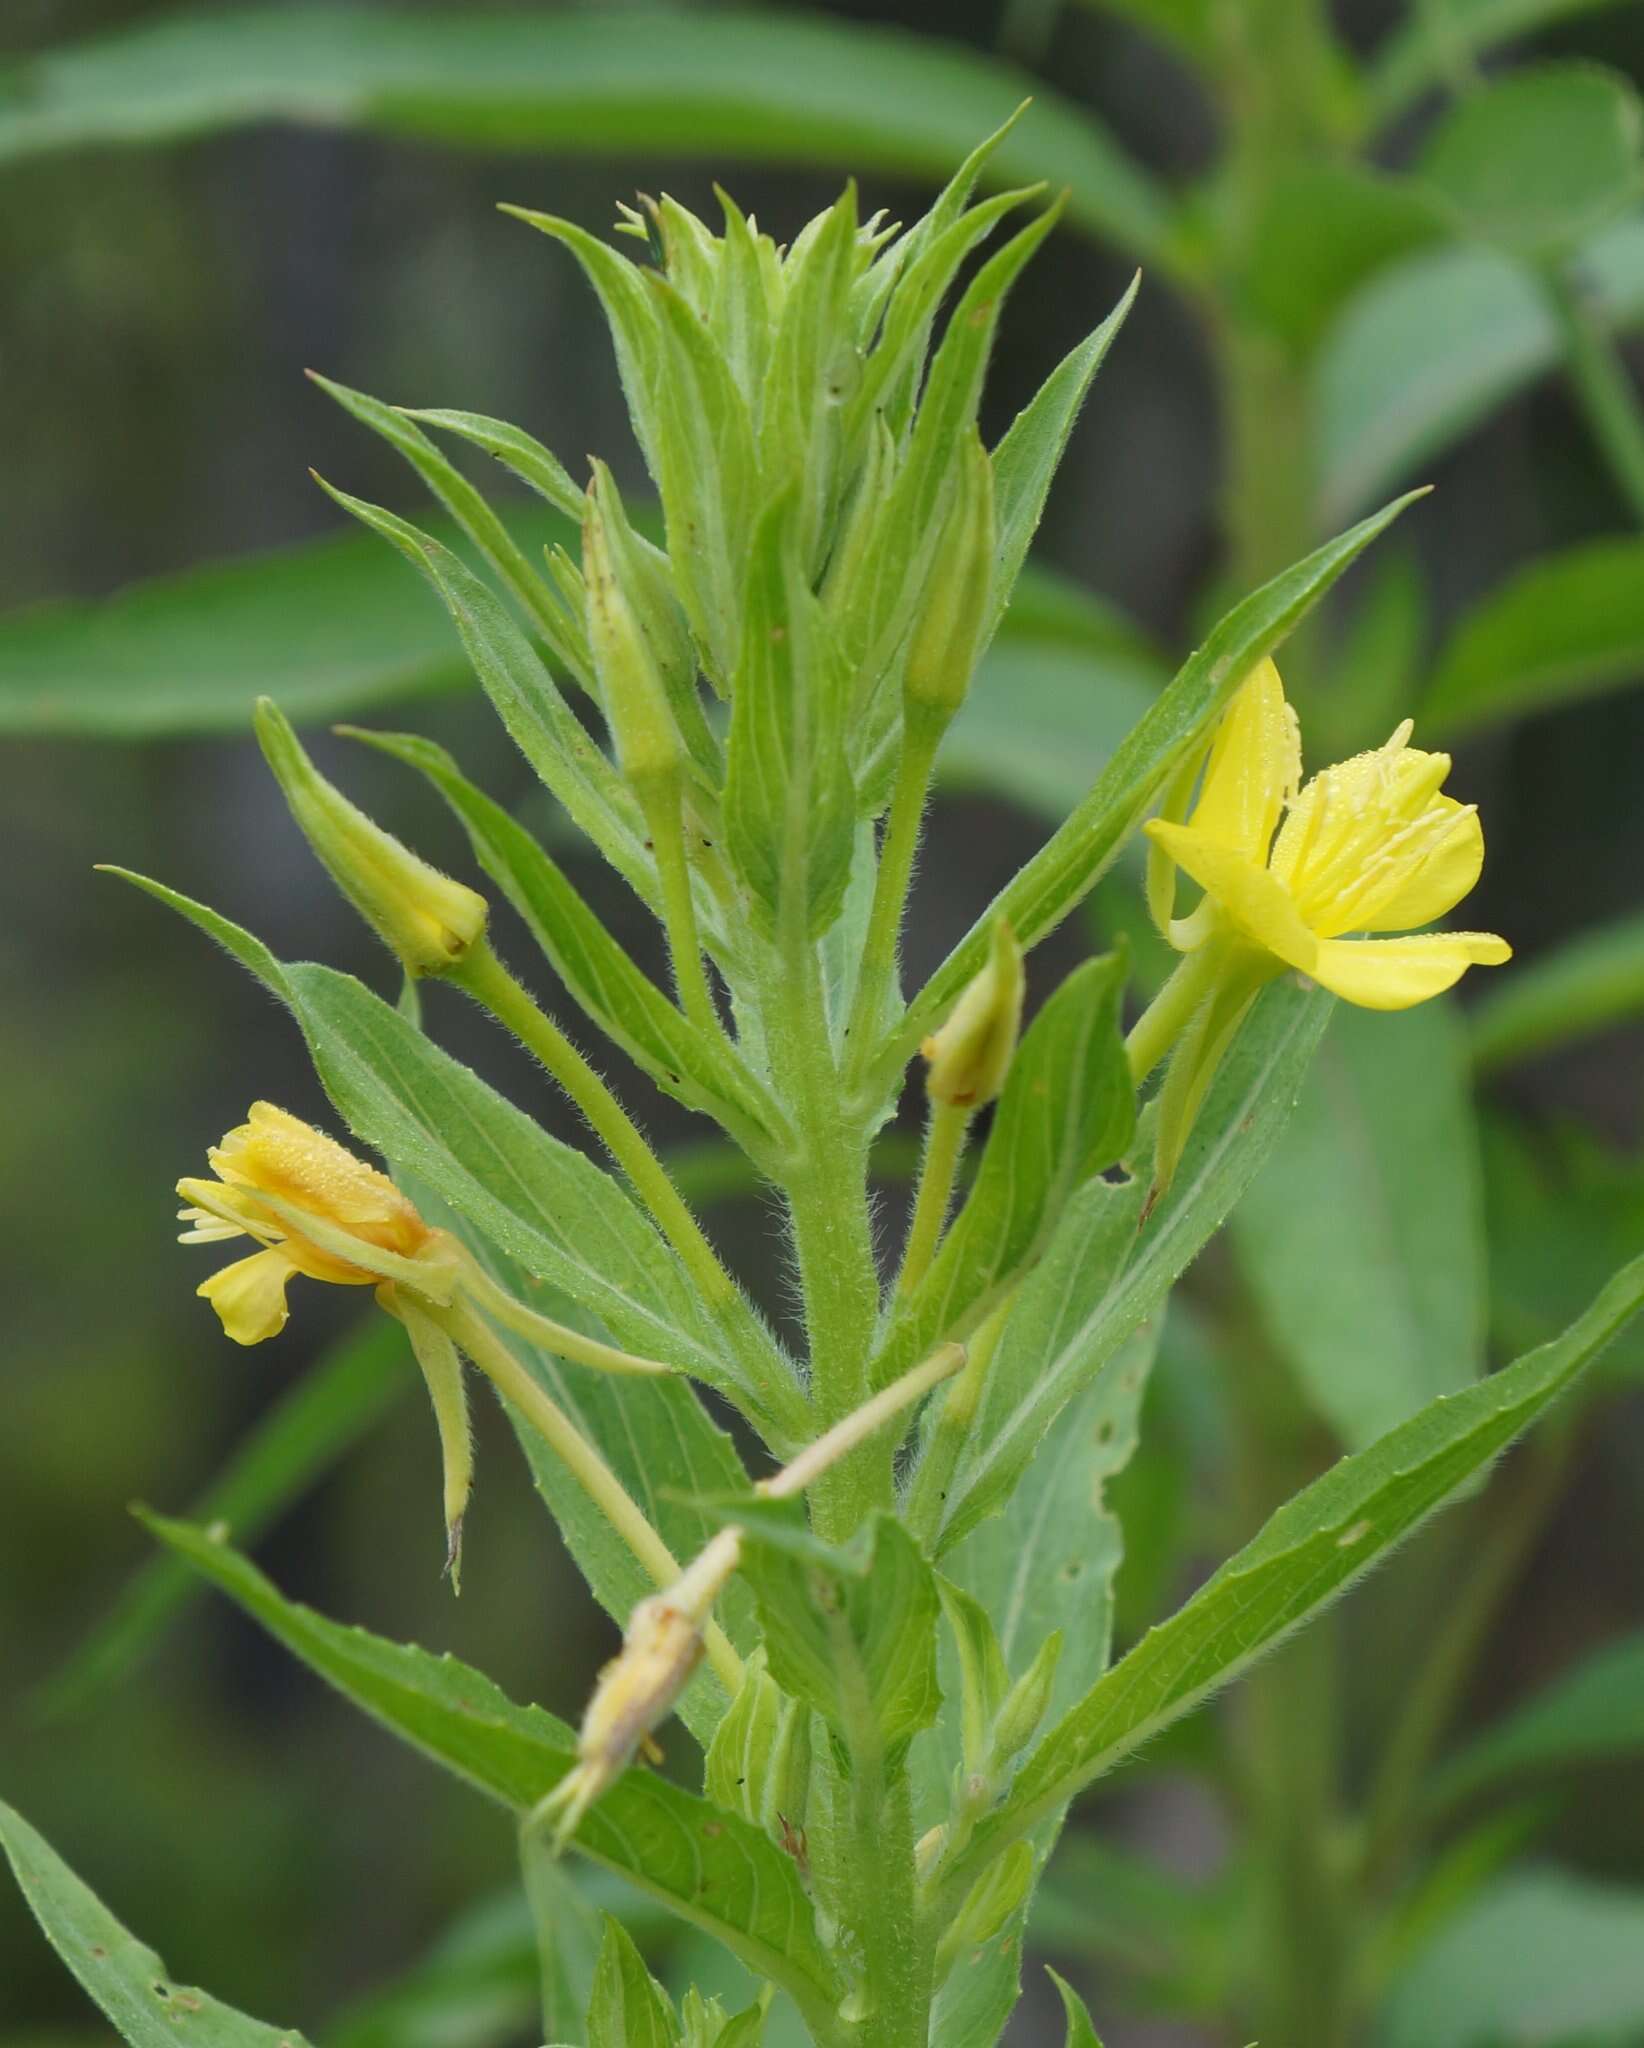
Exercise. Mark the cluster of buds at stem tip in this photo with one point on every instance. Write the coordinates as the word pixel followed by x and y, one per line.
pixel 315 1209
pixel 425 918
pixel 969 1057
pixel 637 1691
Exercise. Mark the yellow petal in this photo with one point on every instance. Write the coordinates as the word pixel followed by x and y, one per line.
pixel 1352 825
pixel 1429 882
pixel 249 1296
pixel 1246 892
pixel 1254 765
pixel 1396 974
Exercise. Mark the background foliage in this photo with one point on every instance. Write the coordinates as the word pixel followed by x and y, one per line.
pixel 197 208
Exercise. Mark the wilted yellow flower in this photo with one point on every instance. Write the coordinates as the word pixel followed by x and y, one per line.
pixel 310 1203
pixel 1370 845
pixel 637 1690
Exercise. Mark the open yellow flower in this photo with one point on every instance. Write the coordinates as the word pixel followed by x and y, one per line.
pixel 308 1202
pixel 1371 845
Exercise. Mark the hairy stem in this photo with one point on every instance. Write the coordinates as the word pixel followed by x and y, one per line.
pixel 939 1169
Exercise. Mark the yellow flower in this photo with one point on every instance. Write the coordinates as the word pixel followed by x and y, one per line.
pixel 1371 845
pixel 309 1202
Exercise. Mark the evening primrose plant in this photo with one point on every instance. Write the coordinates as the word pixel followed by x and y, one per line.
pixel 870 1575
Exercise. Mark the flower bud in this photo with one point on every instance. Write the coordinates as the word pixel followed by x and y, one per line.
pixel 1024 1705
pixel 424 917
pixel 994 1897
pixel 661 1649
pixel 971 1054
pixel 633 682
pixel 957 608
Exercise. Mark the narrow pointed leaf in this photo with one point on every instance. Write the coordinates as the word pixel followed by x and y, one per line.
pixel 129 1982
pixel 1080 2032
pixel 628 2007
pixel 1307 1555
pixel 707 1866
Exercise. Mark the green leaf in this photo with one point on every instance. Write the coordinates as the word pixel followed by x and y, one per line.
pixel 1594 1712
pixel 1433 345
pixel 1437 45
pixel 477 519
pixel 323 1414
pixel 1540 160
pixel 1068 1110
pixel 323 628
pixel 861 1628
pixel 789 808
pixel 1106 1271
pixel 1544 1959
pixel 1323 230
pixel 1080 2032
pixel 733 83
pixel 1585 985
pixel 628 2008
pixel 526 698
pixel 127 1981
pixel 1308 1554
pixel 476 1986
pixel 1026 460
pixel 758 1763
pixel 1376 1183
pixel 1567 627
pixel 519 452
pixel 707 1866
pixel 1077 855
pixel 598 972
pixel 567 1935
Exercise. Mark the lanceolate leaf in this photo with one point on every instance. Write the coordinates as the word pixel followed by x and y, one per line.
pixel 1592 1713
pixel 550 1208
pixel 1077 855
pixel 128 1981
pixel 1067 1111
pixel 619 996
pixel 628 2009
pixel 1080 2032
pixel 1309 1553
pixel 731 83
pixel 1107 1269
pixel 708 1866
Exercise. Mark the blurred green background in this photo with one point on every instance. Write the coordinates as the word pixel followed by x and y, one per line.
pixel 158 309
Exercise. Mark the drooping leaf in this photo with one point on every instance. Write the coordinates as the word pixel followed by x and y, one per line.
pixel 1376 1183
pixel 1540 160
pixel 705 1865
pixel 1068 1110
pixel 733 83
pixel 129 1982
pixel 1077 854
pixel 301 1438
pixel 1594 1712
pixel 1567 627
pixel 1431 346
pixel 1107 1271
pixel 1310 1551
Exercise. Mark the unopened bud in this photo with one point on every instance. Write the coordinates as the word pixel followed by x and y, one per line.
pixel 637 1690
pixel 633 681
pixel 994 1897
pixel 1024 1705
pixel 971 1054
pixel 425 917
pixel 957 608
